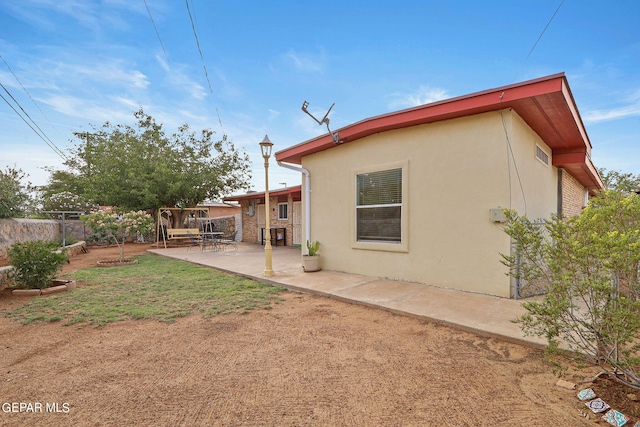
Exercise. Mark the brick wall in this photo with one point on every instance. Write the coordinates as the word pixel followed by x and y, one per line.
pixel 288 223
pixel 250 229
pixel 572 195
pixel 249 223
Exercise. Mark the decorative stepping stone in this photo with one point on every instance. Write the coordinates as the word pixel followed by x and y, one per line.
pixel 615 418
pixel 597 405
pixel 587 394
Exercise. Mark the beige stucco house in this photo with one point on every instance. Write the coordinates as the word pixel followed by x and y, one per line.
pixel 417 194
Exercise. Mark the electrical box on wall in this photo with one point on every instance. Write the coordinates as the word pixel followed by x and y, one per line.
pixel 497 215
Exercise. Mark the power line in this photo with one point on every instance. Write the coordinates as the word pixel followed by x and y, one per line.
pixel 26 91
pixel 193 27
pixel 156 30
pixel 539 37
pixel 43 136
pixel 195 34
pixel 510 156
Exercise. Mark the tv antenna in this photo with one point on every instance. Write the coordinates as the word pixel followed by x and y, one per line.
pixel 325 120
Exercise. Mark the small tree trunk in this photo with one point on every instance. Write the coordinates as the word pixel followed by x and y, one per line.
pixel 121 247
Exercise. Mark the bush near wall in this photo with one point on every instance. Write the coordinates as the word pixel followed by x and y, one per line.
pixel 25 230
pixel 8 272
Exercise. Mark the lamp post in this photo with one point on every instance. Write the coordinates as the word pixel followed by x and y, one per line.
pixel 266 147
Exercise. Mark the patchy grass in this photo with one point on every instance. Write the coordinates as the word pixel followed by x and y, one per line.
pixel 155 288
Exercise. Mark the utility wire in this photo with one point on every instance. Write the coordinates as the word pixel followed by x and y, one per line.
pixel 156 30
pixel 510 156
pixel 539 37
pixel 49 143
pixel 193 27
pixel 26 91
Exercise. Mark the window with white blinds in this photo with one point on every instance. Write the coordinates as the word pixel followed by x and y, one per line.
pixel 379 206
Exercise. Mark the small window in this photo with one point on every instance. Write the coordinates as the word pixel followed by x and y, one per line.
pixel 542 155
pixel 283 211
pixel 379 206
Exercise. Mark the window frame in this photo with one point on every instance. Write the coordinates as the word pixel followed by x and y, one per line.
pixel 382 245
pixel 283 218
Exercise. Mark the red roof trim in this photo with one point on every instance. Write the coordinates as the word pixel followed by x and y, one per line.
pixel 296 189
pixel 546 104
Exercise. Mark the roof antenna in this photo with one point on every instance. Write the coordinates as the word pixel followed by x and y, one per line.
pixel 325 120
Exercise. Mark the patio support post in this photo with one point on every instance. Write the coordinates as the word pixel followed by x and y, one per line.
pixel 265 147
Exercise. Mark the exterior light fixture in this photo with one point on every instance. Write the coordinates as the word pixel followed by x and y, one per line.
pixel 265 146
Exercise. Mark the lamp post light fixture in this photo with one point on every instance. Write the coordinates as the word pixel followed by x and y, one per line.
pixel 266 147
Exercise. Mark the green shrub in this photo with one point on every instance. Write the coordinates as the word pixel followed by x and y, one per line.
pixel 36 263
pixel 588 266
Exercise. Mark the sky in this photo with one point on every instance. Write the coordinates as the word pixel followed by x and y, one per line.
pixel 244 68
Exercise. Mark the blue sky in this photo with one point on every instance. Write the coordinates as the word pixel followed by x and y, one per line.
pixel 85 62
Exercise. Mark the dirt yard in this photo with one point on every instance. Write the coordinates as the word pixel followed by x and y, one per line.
pixel 308 361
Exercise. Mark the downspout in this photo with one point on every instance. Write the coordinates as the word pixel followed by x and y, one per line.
pixel 307 199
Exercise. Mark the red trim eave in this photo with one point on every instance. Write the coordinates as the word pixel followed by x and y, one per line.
pixel 581 167
pixel 576 115
pixel 296 189
pixel 549 90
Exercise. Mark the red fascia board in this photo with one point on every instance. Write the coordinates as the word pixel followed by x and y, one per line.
pixel 489 100
pixel 581 167
pixel 260 195
pixel 576 115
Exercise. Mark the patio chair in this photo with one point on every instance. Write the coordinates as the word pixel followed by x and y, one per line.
pixel 209 241
pixel 194 240
pixel 229 240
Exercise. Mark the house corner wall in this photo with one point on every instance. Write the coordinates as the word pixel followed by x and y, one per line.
pixel 573 195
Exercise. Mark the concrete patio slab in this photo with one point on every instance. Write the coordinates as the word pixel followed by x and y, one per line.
pixel 482 314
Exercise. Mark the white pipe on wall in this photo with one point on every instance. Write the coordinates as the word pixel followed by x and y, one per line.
pixel 307 200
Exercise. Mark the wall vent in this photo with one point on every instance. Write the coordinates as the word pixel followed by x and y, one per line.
pixel 541 155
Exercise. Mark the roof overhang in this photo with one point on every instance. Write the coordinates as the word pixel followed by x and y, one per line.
pixel 294 191
pixel 545 104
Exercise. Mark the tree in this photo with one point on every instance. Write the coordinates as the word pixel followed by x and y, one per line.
pixel 615 180
pixel 143 168
pixel 588 265
pixel 119 226
pixel 61 182
pixel 14 194
pixel 67 201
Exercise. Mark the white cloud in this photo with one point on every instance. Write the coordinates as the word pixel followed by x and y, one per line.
pixel 597 116
pixel 91 15
pixel 631 109
pixel 423 95
pixel 273 114
pixel 305 62
pixel 80 107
